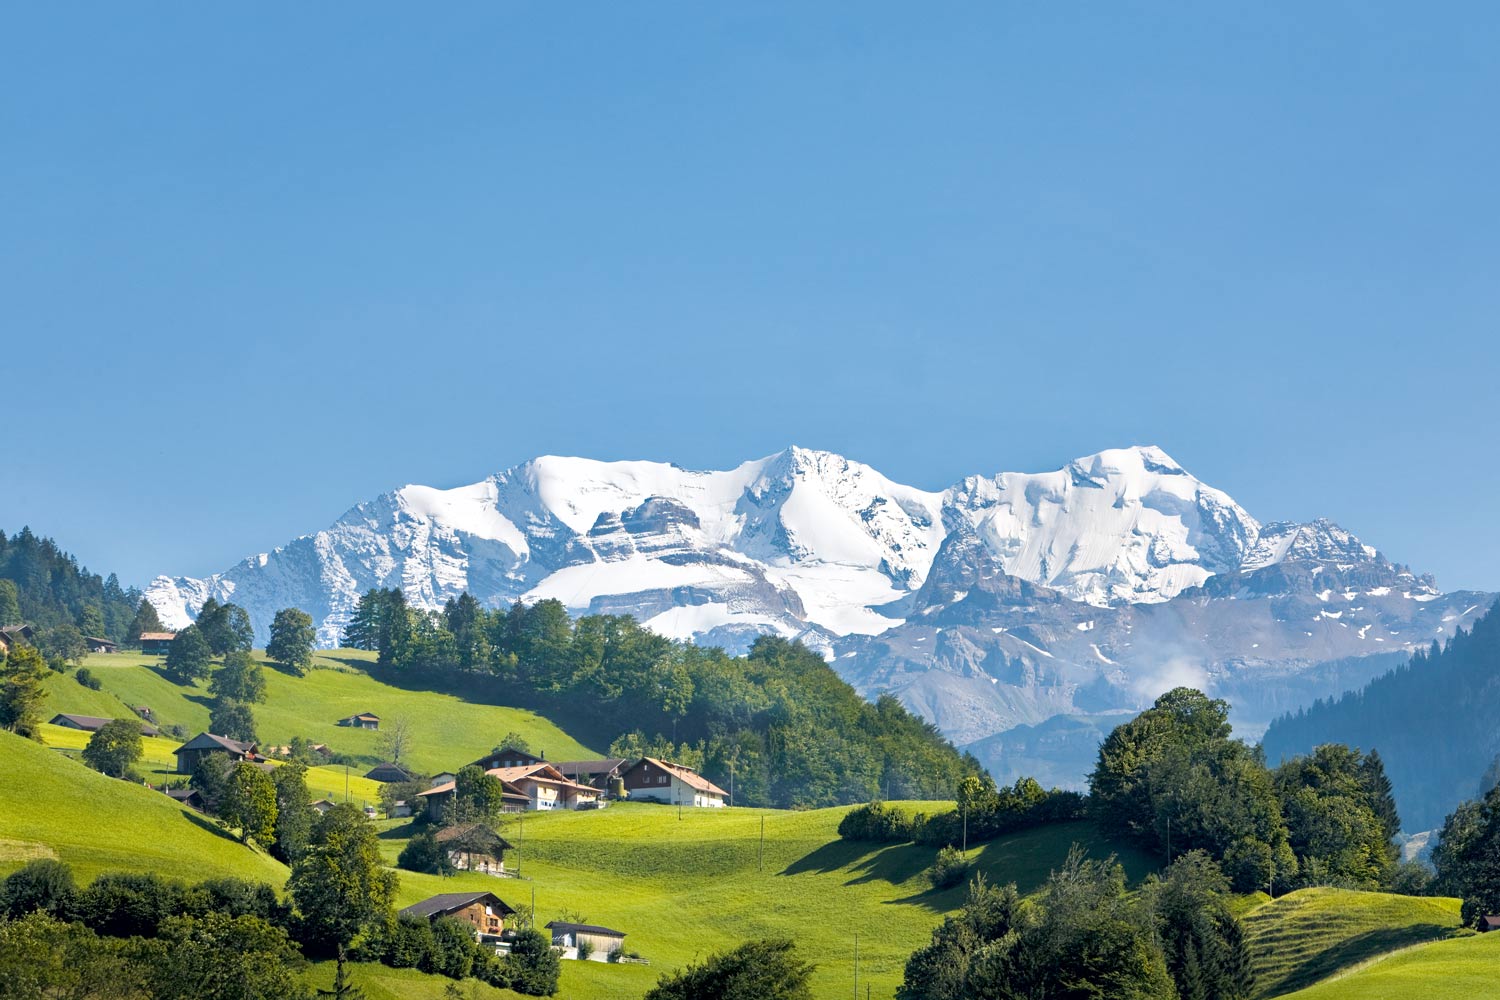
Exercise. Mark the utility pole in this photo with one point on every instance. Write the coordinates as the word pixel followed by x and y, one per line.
pixel 856 965
pixel 521 849
pixel 346 782
pixel 533 907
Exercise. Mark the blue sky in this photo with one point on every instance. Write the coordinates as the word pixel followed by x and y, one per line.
pixel 257 265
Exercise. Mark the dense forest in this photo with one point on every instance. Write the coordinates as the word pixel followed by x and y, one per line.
pixel 44 587
pixel 778 721
pixel 1433 721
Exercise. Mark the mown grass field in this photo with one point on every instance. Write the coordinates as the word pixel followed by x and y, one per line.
pixel 1309 935
pixel 1465 968
pixel 447 732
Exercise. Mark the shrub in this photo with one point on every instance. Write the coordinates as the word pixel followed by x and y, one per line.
pixel 878 822
pixel 410 945
pixel 424 854
pixel 585 949
pixel 87 678
pixel 948 869
pixel 44 885
pixel 453 948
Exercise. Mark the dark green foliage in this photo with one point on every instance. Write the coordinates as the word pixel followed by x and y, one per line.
pixel 476 796
pixel 146 620
pixel 225 627
pixel 218 957
pixel 1174 781
pixel 879 823
pixel 44 885
pixel 239 679
pixel 236 897
pixel 983 812
pixel 1467 856
pixel 188 656
pixel 249 803
pixel 411 943
pixel 294 812
pixel 533 967
pixel 129 904
pixel 422 854
pixel 22 675
pixel 234 719
pixel 62 644
pixel 1340 817
pixel 1412 878
pixel 339 886
pixel 211 779
pixel 1202 943
pixel 767 969
pixel 1083 937
pixel 114 747
pixel 292 639
pixel 949 868
pixel 42 958
pixel 45 587
pixel 1433 721
pixel 343 989
pixel 452 948
pixel 88 679
pixel 465 620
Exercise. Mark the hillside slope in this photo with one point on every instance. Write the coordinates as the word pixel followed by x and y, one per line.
pixel 1462 969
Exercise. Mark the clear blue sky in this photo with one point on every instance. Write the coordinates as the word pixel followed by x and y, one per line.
pixel 257 265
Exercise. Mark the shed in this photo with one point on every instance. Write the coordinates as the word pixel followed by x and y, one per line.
pixel 157 643
pixel 364 720
pixel 1489 923
pixel 98 645
pixel 94 723
pixel 601 942
pixel 389 773
pixel 204 744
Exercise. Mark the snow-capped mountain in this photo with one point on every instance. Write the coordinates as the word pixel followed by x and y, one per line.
pixel 1003 601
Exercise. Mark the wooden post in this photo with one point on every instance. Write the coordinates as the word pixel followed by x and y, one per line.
pixel 856 965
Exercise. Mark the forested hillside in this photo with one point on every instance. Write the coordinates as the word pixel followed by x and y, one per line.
pixel 1433 722
pixel 44 587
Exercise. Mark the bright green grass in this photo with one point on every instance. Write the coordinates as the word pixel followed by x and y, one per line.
pixel 51 806
pixel 380 982
pixel 1466 968
pixel 683 888
pixel 448 733
pixel 1309 935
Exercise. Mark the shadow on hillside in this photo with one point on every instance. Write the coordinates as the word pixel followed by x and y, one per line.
pixel 831 857
pixel 401 832
pixel 894 865
pixel 202 822
pixel 1354 950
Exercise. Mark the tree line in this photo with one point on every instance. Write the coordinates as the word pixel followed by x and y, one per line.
pixel 777 723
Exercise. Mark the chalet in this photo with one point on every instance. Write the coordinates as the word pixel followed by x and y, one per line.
pixel 485 911
pixel 94 723
pixel 508 757
pixel 389 773
pixel 600 942
pixel 441 778
pixel 14 635
pixel 323 805
pixel 652 780
pixel 598 773
pixel 435 799
pixel 98 645
pixel 474 847
pixel 157 643
pixel 204 744
pixel 364 720
pixel 1487 924
pixel 545 787
pixel 189 797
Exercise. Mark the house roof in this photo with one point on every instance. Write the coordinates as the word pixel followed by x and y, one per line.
pixel 451 902
pixel 361 715
pixel 1490 923
pixel 570 928
pixel 684 773
pixel 208 741
pixel 100 640
pixel 389 772
pixel 94 723
pixel 476 831
pixel 543 772
pixel 506 752
pixel 158 636
pixel 509 791
pixel 590 767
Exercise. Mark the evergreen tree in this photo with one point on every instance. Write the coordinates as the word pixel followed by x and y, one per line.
pixel 363 628
pixel 146 620
pixel 292 639
pixel 114 748
pixel 22 676
pixel 188 656
pixel 10 603
pixel 211 779
pixel 1467 856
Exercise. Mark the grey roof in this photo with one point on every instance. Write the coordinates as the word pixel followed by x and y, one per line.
pixel 389 772
pixel 208 741
pixel 94 723
pixel 449 902
pixel 572 767
pixel 565 927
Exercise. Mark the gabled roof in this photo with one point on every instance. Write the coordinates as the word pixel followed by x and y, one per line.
pixel 94 723
pixel 684 773
pixel 208 741
pixel 445 903
pixel 506 752
pixel 158 636
pixel 543 772
pixel 590 767
pixel 569 928
pixel 362 715
pixel 508 791
pixel 389 772
pixel 1490 923
pixel 473 832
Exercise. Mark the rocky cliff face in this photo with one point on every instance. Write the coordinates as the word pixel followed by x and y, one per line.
pixel 1005 601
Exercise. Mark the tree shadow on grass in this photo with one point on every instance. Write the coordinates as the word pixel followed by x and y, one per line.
pixel 1352 951
pixel 212 826
pixel 401 832
pixel 831 857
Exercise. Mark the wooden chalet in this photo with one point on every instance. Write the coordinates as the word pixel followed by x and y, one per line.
pixel 364 720
pixel 598 773
pixel 189 797
pixel 508 757
pixel 652 780
pixel 157 643
pixel 484 911
pixel 94 723
pixel 15 635
pixel 1489 923
pixel 98 645
pixel 323 805
pixel 389 773
pixel 200 746
pixel 435 799
pixel 601 941
pixel 474 847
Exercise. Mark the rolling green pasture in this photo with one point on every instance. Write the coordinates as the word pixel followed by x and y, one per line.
pixel 1311 934
pixel 1465 968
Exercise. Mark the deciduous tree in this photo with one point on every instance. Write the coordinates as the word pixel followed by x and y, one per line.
pixel 115 747
pixel 292 640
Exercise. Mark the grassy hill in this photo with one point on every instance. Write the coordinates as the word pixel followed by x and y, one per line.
pixel 448 732
pixel 1461 969
pixel 55 807
pixel 1309 935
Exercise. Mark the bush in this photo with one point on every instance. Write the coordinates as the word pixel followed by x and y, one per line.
pixel 585 949
pixel 879 823
pixel 424 854
pixel 87 678
pixel 410 945
pixel 534 966
pixel 44 885
pixel 127 904
pixel 453 948
pixel 948 869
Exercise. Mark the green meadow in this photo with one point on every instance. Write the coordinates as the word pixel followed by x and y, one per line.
pixel 1464 968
